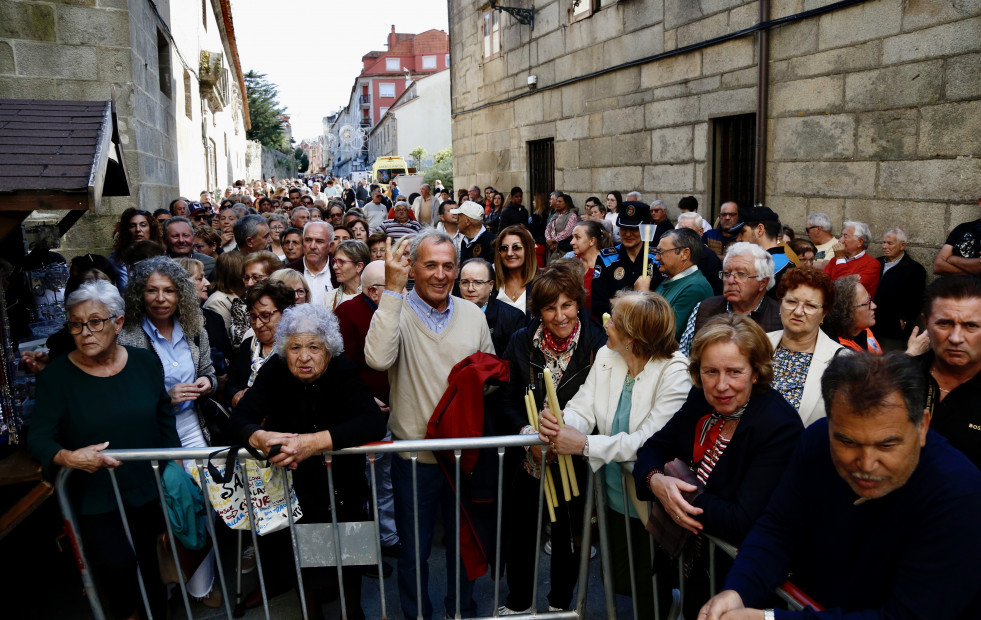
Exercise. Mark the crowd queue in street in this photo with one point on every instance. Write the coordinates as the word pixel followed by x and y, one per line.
pixel 765 382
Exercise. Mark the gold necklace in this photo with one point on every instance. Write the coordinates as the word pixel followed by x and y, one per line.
pixel 933 374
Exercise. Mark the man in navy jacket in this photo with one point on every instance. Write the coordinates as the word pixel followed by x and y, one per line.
pixel 874 518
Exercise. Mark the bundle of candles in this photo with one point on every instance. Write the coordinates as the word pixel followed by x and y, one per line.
pixel 570 485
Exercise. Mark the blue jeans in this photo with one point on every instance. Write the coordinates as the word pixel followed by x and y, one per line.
pixel 434 494
pixel 386 501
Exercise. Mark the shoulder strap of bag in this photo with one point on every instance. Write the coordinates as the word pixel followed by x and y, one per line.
pixel 232 452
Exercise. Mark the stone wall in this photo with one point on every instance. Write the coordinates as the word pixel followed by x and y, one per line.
pixel 263 162
pixel 873 109
pixel 88 50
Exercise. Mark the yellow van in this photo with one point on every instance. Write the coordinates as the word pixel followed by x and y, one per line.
pixel 387 168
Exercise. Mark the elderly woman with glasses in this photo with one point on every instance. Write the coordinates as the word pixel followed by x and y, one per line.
pixel 104 394
pixel 295 280
pixel 350 259
pixel 515 266
pixel 308 398
pixel 266 301
pixel 801 350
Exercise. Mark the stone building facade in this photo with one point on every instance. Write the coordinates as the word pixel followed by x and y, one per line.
pixel 872 110
pixel 174 72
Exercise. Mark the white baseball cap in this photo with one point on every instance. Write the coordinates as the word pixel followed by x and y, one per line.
pixel 471 209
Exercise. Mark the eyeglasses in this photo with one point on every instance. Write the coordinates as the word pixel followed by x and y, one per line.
pixel 867 303
pixel 473 283
pixel 265 317
pixel 504 249
pixel 658 253
pixel 375 286
pixel 810 228
pixel 344 261
pixel 792 304
pixel 738 276
pixel 95 325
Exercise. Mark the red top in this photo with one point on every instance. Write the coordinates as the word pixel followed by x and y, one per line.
pixel 865 266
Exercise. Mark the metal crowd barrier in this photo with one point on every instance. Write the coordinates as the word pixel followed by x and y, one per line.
pixel 325 545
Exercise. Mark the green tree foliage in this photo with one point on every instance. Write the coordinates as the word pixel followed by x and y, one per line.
pixel 442 169
pixel 302 161
pixel 416 156
pixel 443 154
pixel 265 112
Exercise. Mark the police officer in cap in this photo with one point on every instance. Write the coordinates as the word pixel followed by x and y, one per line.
pixel 619 268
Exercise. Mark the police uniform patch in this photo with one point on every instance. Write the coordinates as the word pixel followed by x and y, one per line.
pixel 619 273
pixel 477 249
pixel 631 210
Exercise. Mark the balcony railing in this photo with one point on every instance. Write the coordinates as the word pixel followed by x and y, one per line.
pixel 365 100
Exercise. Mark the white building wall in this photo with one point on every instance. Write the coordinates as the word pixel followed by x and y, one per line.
pixel 198 125
pixel 425 120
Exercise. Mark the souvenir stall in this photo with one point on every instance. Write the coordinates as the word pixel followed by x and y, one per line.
pixel 58 157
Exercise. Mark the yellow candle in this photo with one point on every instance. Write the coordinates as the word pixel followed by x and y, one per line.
pixel 550 499
pixel 647 247
pixel 570 486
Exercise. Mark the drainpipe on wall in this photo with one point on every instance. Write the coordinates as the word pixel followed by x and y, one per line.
pixel 762 102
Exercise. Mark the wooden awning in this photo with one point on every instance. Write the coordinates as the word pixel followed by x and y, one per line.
pixel 63 155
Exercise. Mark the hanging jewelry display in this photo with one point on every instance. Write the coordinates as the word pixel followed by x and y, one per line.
pixel 10 418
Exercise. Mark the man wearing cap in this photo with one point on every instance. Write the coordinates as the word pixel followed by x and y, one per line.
pixel 201 213
pixel 478 242
pixel 760 225
pixel 619 267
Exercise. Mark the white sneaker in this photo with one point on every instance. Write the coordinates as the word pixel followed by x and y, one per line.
pixel 548 547
pixel 504 610
pixel 550 608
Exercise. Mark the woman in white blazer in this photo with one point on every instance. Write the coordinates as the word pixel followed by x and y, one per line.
pixel 637 382
pixel 801 350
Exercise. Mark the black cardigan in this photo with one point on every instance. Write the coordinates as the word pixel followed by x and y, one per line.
pixel 745 476
pixel 337 402
pixel 526 366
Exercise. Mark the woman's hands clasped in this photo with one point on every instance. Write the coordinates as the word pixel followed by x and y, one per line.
pixel 184 392
pixel 293 447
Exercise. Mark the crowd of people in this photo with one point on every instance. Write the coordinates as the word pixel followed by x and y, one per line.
pixel 779 389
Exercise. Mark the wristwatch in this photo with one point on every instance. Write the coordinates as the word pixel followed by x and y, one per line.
pixel 585 448
pixel 768 614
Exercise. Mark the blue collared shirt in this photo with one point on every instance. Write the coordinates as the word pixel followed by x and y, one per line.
pixel 175 355
pixel 431 317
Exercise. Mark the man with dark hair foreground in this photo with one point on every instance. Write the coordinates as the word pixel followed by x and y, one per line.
pixel 952 366
pixel 874 516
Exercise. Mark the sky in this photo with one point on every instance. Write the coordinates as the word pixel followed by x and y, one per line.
pixel 315 74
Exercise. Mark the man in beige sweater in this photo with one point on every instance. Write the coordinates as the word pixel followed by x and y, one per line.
pixel 418 338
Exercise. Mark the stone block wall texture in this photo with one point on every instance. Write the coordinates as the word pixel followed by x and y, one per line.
pixel 874 110
pixel 90 49
pixel 262 162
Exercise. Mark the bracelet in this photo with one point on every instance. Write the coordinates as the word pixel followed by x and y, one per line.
pixel 769 614
pixel 653 472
